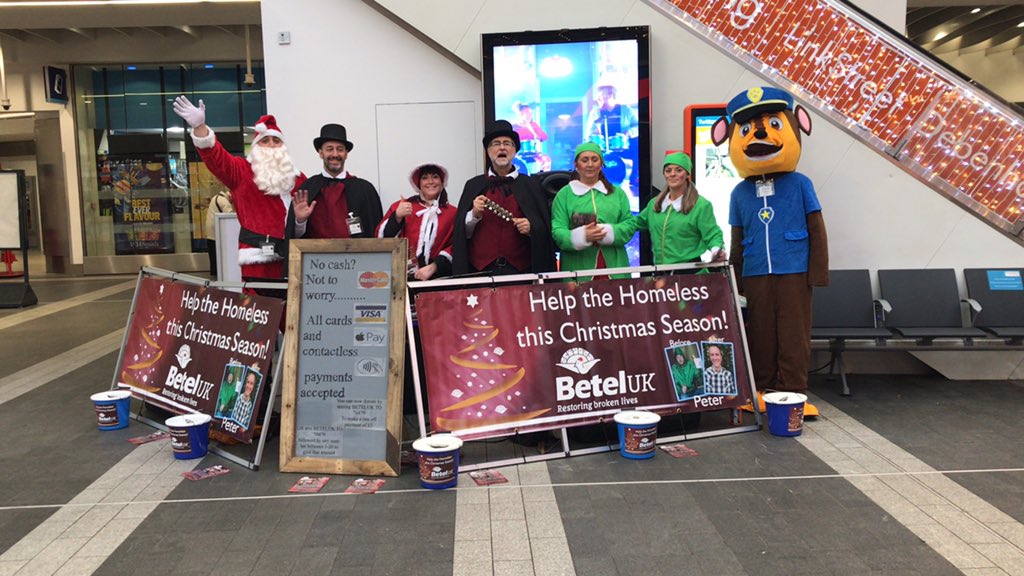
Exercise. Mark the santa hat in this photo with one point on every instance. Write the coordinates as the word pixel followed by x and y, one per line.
pixel 266 126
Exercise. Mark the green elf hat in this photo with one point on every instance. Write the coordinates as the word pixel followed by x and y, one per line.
pixel 679 159
pixel 589 147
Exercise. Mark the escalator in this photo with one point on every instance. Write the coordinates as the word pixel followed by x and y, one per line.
pixel 948 132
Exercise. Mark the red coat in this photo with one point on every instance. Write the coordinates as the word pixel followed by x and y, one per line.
pixel 411 228
pixel 265 215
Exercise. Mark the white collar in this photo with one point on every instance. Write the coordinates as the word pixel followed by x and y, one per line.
pixel 342 176
pixel 676 204
pixel 579 188
pixel 513 174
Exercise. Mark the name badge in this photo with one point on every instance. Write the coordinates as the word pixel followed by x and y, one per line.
pixel 267 247
pixel 355 225
pixel 765 188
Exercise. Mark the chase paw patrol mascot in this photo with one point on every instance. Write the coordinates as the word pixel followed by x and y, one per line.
pixel 779 246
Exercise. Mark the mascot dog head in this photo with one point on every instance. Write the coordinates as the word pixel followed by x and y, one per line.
pixel 763 129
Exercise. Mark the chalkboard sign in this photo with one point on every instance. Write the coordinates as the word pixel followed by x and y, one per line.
pixel 344 357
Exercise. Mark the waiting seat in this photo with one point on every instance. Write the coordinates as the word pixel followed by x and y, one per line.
pixel 1000 294
pixel 925 305
pixel 844 311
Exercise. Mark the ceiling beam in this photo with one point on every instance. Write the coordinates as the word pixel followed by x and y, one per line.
pixel 155 31
pixel 16 35
pixel 163 14
pixel 88 33
pixel 233 31
pixel 190 30
pixel 47 36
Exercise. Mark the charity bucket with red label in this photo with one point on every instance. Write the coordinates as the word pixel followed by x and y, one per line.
pixel 785 413
pixel 112 409
pixel 190 435
pixel 638 433
pixel 438 457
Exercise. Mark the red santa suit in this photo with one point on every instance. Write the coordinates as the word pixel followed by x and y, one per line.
pixel 261 215
pixel 429 229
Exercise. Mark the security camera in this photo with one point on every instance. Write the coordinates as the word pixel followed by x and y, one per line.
pixel 249 80
pixel 6 104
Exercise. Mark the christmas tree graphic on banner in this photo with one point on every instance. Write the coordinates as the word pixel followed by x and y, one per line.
pixel 489 389
pixel 148 344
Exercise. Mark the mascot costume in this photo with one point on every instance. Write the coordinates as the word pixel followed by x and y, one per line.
pixel 779 245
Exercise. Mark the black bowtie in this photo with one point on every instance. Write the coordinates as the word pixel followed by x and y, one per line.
pixel 503 183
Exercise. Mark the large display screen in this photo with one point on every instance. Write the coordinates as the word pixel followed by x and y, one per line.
pixel 713 172
pixel 560 88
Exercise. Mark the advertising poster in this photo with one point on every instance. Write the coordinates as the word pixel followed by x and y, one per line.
pixel 566 354
pixel 195 349
pixel 142 207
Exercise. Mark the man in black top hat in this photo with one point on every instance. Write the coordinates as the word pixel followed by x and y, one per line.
pixel 334 203
pixel 514 237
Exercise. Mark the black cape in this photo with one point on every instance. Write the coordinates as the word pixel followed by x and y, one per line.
pixel 362 199
pixel 534 206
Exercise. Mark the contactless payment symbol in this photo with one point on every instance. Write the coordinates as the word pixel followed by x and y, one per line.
pixel 766 214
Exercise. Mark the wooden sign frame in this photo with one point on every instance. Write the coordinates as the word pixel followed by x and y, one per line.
pixel 298 251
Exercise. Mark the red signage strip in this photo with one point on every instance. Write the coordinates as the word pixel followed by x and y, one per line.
pixel 197 349
pixel 553 355
pixel 941 129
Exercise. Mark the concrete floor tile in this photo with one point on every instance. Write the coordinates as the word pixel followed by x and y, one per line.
pixel 984 572
pixel 10 567
pixel 513 568
pixel 79 565
pixel 472 558
pixel 551 557
pixel 1005 556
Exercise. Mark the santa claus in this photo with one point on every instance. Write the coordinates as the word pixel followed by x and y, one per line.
pixel 261 187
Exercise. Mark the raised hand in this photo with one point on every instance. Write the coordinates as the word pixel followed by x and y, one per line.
pixel 403 210
pixel 193 115
pixel 300 203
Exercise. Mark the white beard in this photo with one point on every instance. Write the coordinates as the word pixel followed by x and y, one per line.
pixel 272 170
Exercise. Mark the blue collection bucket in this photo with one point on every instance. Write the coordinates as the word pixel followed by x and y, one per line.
pixel 190 435
pixel 112 409
pixel 785 413
pixel 438 458
pixel 638 433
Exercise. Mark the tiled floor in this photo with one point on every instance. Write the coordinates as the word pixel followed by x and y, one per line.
pixel 912 475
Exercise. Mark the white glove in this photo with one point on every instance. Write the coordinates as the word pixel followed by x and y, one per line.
pixel 192 115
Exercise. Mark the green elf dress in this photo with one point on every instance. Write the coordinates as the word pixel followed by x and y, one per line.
pixel 574 206
pixel 678 238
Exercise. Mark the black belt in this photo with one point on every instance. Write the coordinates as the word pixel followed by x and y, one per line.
pixel 246 236
pixel 501 265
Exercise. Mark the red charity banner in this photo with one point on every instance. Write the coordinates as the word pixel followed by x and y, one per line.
pixel 197 349
pixel 565 354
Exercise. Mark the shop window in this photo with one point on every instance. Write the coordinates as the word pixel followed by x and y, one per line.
pixel 143 189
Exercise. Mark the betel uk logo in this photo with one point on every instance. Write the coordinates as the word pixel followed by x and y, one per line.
pixel 578 360
pixel 581 361
pixel 184 355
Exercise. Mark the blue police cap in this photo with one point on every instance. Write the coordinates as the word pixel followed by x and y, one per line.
pixel 755 101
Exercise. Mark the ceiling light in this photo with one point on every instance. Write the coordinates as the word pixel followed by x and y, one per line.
pixel 940 36
pixel 976 10
pixel 1021 25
